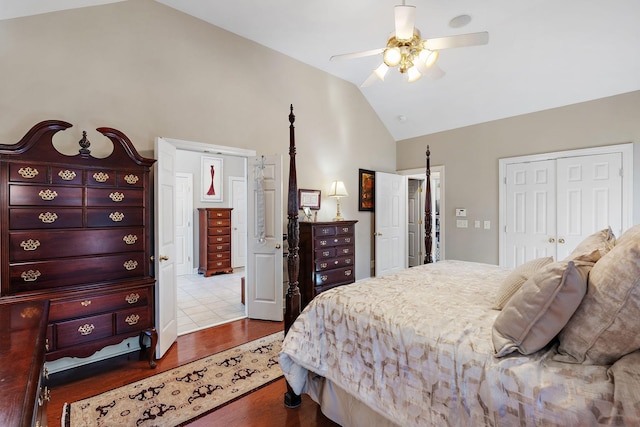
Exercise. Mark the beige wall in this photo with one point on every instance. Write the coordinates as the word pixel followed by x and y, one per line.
pixel 148 70
pixel 471 154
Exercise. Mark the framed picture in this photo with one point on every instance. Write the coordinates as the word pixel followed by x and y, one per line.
pixel 309 199
pixel 366 190
pixel 211 171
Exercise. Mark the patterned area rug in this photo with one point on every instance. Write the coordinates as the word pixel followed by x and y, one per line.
pixel 185 393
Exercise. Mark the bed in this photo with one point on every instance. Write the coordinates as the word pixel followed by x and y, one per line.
pixel 459 343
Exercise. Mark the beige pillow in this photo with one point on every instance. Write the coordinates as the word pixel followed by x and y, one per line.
pixel 606 326
pixel 540 309
pixel 516 278
pixel 594 247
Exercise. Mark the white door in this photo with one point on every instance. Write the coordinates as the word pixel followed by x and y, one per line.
pixel 414 223
pixel 239 221
pixel 589 195
pixel 531 211
pixel 264 286
pixel 166 297
pixel 390 223
pixel 184 223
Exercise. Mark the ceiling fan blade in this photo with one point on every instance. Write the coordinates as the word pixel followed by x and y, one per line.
pixel 434 72
pixel 405 18
pixel 462 40
pixel 356 54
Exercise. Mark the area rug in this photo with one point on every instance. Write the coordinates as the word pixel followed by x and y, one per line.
pixel 185 393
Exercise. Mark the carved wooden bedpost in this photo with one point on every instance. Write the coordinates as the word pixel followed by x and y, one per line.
pixel 427 214
pixel 292 306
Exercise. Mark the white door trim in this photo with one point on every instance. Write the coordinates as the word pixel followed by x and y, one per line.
pixel 627 183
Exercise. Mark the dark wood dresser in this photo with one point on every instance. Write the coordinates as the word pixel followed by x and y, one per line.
pixel 76 231
pixel 327 257
pixel 23 391
pixel 215 240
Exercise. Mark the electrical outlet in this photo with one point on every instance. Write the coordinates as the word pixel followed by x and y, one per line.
pixel 487 225
pixel 476 224
pixel 462 223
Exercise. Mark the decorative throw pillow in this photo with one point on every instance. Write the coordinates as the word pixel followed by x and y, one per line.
pixel 594 247
pixel 540 309
pixel 516 278
pixel 606 326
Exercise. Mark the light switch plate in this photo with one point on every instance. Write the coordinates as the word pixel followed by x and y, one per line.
pixel 461 212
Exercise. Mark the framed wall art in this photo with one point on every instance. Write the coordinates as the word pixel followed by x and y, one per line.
pixel 211 171
pixel 366 190
pixel 309 199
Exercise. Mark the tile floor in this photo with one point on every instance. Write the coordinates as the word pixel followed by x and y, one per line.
pixel 208 301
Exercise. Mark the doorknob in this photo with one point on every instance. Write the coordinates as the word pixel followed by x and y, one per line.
pixel 277 245
pixel 164 258
pixel 561 240
pixel 376 234
pixel 551 240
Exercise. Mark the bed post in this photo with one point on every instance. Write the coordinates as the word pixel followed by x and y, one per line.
pixel 292 306
pixel 427 214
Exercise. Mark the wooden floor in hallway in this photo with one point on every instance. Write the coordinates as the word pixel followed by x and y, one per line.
pixel 261 408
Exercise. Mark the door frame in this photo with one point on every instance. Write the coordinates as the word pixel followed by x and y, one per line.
pixel 625 149
pixel 420 173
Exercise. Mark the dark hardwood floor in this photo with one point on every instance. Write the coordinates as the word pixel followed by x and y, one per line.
pixel 263 407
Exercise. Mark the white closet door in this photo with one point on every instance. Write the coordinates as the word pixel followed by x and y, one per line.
pixel 531 209
pixel 589 195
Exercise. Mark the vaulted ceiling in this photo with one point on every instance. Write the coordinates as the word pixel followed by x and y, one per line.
pixel 541 54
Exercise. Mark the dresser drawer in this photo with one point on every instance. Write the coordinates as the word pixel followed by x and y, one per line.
pixel 345 229
pixel 132 320
pixel 345 250
pixel 78 331
pixel 80 307
pixel 44 196
pixel 38 245
pixel 20 219
pixel 218 264
pixel 67 176
pixel 325 253
pixel 222 214
pixel 223 247
pixel 334 241
pixel 218 256
pixel 214 240
pixel 101 178
pixel 114 197
pixel 42 275
pixel 130 180
pixel 115 217
pixel 218 223
pixel 324 231
pixel 27 172
pixel 328 264
pixel 340 275
pixel 217 231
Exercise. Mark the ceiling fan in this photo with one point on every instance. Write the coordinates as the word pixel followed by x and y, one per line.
pixel 413 55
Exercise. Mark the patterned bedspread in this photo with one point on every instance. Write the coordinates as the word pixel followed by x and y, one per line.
pixel 416 348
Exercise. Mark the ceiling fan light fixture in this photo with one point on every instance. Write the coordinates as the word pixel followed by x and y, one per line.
pixel 413 74
pixel 392 56
pixel 428 57
pixel 381 71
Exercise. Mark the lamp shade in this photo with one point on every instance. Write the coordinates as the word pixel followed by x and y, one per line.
pixel 338 189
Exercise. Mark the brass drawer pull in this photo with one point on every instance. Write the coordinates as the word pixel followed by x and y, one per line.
pixel 86 303
pixel 347 261
pixel 86 329
pixel 219 264
pixel 325 253
pixel 345 229
pixel 46 344
pixel 219 248
pixel 45 396
pixel 130 265
pixel 67 175
pixel 48 194
pixel 219 255
pixel 347 240
pixel 219 239
pixel 45 370
pixel 130 239
pixel 30 276
pixel 347 273
pixel 28 172
pixel 116 196
pixel 325 231
pixel 323 243
pixel 323 265
pixel 132 298
pixel 132 319
pixel 30 245
pixel 131 179
pixel 345 251
pixel 48 217
pixel 101 176
pixel 324 278
pixel 116 216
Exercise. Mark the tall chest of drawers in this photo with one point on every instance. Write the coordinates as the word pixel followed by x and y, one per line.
pixel 76 232
pixel 327 257
pixel 215 241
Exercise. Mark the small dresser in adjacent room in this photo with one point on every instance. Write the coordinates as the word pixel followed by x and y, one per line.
pixel 75 230
pixel 327 257
pixel 215 240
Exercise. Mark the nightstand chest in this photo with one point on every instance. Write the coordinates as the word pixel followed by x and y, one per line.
pixel 327 257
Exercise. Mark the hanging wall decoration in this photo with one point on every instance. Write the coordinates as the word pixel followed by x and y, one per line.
pixel 211 189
